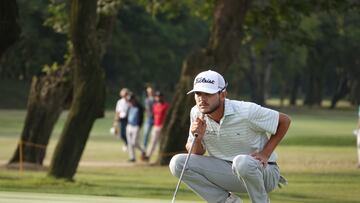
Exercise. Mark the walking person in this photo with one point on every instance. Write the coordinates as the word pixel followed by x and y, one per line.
pixel 120 118
pixel 135 119
pixel 149 117
pixel 358 137
pixel 239 137
pixel 160 108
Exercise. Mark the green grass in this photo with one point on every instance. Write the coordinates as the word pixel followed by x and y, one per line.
pixel 317 156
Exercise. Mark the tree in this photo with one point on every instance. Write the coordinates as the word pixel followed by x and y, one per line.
pixel 9 26
pixel 222 49
pixel 47 99
pixel 51 91
pixel 89 90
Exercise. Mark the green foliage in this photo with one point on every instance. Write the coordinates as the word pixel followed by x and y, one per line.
pixel 299 39
pixel 38 45
pixel 172 9
pixel 108 7
pixel 58 18
pixel 150 49
pixel 50 68
pixel 152 38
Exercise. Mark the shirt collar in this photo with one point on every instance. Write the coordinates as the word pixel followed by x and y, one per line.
pixel 228 109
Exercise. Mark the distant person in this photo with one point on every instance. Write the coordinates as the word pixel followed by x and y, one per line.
pixel 160 109
pixel 135 117
pixel 239 137
pixel 358 137
pixel 120 118
pixel 149 117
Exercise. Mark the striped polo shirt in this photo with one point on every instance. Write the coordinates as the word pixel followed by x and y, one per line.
pixel 243 129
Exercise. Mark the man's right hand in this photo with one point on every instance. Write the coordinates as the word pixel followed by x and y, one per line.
pixel 198 127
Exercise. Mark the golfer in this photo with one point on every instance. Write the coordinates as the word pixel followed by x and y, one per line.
pixel 239 138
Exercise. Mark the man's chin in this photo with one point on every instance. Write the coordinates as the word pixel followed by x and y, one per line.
pixel 204 111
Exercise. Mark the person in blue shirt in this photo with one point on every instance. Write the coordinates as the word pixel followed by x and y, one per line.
pixel 149 121
pixel 135 119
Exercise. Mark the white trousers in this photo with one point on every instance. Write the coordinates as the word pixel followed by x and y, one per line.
pixel 213 178
pixel 358 146
pixel 155 138
pixel 132 136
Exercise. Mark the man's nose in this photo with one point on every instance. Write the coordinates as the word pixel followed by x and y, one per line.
pixel 202 98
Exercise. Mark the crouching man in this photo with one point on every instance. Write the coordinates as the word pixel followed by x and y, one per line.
pixel 239 137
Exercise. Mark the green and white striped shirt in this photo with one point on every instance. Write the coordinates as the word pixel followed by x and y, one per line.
pixel 243 129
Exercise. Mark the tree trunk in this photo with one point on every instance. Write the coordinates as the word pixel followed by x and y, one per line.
pixel 89 90
pixel 221 51
pixel 46 101
pixel 255 78
pixel 9 26
pixel 49 94
pixel 315 77
pixel 268 58
pixel 314 91
pixel 341 91
pixel 294 89
pixel 354 94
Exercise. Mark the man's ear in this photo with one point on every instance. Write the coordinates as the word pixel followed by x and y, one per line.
pixel 223 95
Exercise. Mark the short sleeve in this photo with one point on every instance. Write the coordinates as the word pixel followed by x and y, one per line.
pixel 263 119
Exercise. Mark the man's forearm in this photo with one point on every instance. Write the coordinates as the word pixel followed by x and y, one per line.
pixel 197 149
pixel 284 123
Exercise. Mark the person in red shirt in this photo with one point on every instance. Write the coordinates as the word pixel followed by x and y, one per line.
pixel 160 108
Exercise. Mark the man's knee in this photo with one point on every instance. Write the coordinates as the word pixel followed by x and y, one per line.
pixel 242 165
pixel 176 164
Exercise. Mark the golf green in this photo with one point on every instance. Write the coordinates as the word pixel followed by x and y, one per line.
pixel 24 197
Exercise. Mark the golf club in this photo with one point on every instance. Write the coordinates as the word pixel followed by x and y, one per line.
pixel 184 167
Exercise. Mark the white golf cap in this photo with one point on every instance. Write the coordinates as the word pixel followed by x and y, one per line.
pixel 209 82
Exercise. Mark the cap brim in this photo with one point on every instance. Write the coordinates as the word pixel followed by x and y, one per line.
pixel 205 90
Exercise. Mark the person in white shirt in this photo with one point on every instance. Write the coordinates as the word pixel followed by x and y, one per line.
pixel 120 118
pixel 358 137
pixel 239 138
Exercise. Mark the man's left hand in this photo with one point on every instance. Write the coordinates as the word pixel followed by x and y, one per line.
pixel 262 158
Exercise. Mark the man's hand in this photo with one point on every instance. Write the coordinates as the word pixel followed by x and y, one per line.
pixel 198 127
pixel 262 158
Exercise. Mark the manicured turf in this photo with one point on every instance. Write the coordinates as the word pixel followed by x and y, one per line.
pixel 25 197
pixel 317 156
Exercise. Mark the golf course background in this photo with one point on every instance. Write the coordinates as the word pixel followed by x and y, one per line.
pixel 317 156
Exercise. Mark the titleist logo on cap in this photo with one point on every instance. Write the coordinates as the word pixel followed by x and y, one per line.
pixel 204 80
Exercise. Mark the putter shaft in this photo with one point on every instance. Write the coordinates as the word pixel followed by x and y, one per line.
pixel 183 170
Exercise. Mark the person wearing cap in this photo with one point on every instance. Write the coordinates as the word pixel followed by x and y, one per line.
pixel 358 137
pixel 239 138
pixel 160 108
pixel 120 118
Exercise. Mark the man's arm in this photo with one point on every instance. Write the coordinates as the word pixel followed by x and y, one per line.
pixel 197 149
pixel 283 126
pixel 197 127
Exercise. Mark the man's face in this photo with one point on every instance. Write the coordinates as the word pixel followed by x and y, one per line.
pixel 150 91
pixel 207 103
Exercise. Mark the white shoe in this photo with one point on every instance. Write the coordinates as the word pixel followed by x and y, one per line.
pixel 233 199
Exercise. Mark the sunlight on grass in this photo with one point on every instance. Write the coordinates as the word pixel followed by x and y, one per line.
pixel 317 156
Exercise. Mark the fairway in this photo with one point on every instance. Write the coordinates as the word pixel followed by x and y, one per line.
pixel 24 197
pixel 317 156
